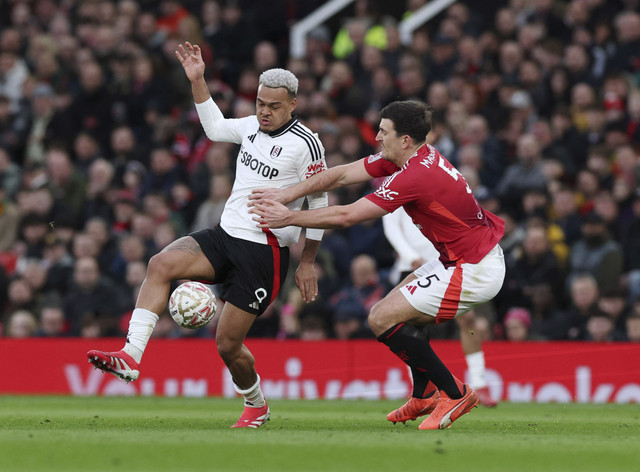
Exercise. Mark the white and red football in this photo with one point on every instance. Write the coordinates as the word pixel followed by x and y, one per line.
pixel 192 305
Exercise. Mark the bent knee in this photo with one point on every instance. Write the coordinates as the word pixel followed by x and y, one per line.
pixel 228 348
pixel 159 266
pixel 378 319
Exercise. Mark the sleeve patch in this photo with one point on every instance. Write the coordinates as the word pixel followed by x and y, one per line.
pixel 374 157
pixel 315 168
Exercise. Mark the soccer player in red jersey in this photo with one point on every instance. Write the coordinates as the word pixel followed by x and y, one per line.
pixel 469 271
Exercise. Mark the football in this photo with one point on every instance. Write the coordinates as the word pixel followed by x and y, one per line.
pixel 192 305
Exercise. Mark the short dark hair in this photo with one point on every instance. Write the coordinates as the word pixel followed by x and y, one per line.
pixel 410 117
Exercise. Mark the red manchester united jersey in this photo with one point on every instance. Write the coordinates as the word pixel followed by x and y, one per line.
pixel 440 203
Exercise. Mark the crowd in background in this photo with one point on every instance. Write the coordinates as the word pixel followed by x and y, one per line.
pixel 103 161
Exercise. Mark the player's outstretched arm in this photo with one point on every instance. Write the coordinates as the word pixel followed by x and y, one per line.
pixel 190 56
pixel 271 214
pixel 337 176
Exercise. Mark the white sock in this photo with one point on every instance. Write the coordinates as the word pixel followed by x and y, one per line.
pixel 253 396
pixel 475 363
pixel 140 329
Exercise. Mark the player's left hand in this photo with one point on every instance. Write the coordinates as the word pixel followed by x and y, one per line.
pixel 278 194
pixel 307 281
pixel 269 214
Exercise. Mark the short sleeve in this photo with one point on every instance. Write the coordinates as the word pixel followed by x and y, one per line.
pixel 397 190
pixel 376 166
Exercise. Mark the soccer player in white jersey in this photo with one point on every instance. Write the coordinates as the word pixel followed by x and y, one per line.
pixel 469 271
pixel 276 150
pixel 413 250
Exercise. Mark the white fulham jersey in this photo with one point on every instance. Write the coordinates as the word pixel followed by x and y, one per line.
pixel 278 159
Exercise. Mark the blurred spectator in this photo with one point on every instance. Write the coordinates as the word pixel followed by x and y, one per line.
pixel 553 151
pixel 491 153
pixel 577 63
pixel 65 182
pixel 363 29
pixel 85 152
pixel 92 300
pixel 564 213
pixel 165 234
pixel 338 84
pixel 12 129
pixel 233 46
pixel 597 254
pixel 547 316
pixel 10 175
pixel 20 296
pixel 633 108
pixel 21 324
pixel 351 305
pixel 33 229
pixel 131 248
pixel 442 58
pixel 13 73
pixel 60 264
pixel 210 211
pixel 183 206
pixel 164 172
pixel 35 273
pixel 524 174
pixel 614 305
pixel 584 302
pixel 265 56
pixel 600 328
pixel 127 151
pixel 135 274
pixel 627 25
pixel 90 109
pixel 631 246
pixel 99 190
pixel 147 97
pixel 124 207
pixel 517 325
pixel 9 221
pixel 534 265
pixel 313 328
pixel 156 206
pixel 52 322
pixel 98 229
pixel 84 245
pixel 632 324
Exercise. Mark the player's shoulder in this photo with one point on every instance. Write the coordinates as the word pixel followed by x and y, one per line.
pixel 305 139
pixel 246 126
pixel 248 122
pixel 425 159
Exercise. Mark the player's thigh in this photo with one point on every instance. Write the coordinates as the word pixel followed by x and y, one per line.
pixel 431 289
pixel 182 259
pixel 409 278
pixel 394 309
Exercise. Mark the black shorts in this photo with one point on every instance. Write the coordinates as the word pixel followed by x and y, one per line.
pixel 251 273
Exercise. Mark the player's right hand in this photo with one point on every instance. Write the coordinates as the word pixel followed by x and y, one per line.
pixel 190 56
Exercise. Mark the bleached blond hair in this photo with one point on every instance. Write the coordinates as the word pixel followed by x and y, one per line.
pixel 276 78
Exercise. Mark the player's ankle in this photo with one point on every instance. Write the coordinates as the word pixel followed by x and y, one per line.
pixel 133 351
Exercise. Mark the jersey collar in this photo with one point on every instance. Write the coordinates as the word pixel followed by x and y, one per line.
pixel 284 128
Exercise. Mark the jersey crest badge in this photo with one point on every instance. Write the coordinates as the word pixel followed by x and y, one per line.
pixel 275 151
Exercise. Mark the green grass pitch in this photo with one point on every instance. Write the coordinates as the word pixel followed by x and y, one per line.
pixel 43 433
